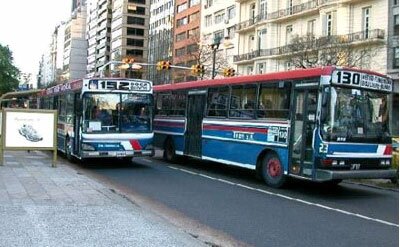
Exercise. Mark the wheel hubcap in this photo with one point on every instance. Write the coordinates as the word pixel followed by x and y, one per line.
pixel 274 168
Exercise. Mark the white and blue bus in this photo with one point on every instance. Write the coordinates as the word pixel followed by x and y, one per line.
pixel 321 124
pixel 103 118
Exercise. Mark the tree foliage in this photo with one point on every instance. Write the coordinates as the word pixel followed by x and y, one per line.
pixel 204 55
pixel 309 51
pixel 9 74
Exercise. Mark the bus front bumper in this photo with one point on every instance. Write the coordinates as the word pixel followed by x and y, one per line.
pixel 326 175
pixel 117 154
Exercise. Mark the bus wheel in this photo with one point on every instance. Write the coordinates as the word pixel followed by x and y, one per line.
pixel 272 171
pixel 68 149
pixel 169 151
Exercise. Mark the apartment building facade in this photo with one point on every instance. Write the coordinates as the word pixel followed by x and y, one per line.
pixel 266 29
pixel 75 46
pixel 218 26
pixel 161 38
pixel 186 37
pixel 129 34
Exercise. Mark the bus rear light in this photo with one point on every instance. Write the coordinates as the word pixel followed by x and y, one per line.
pixel 388 150
pixel 135 145
pixel 327 162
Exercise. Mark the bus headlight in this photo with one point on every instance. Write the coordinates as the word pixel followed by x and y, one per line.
pixel 87 147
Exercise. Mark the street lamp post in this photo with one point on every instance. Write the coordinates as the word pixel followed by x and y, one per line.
pixel 214 47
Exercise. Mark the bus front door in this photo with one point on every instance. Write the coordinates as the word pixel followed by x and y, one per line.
pixel 303 125
pixel 194 119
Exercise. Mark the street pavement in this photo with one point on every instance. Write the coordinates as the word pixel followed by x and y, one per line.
pixel 45 206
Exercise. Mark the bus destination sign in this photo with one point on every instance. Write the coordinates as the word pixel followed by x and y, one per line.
pixel 362 80
pixel 125 85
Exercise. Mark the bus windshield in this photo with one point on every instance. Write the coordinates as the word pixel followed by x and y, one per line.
pixel 117 113
pixel 355 115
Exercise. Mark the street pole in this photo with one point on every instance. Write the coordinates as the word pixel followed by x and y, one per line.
pixel 213 65
pixel 214 47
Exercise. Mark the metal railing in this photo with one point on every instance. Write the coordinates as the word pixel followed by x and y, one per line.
pixel 363 36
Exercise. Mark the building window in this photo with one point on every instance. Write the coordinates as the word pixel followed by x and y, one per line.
pixel 181 22
pixel 311 27
pixel 219 34
pixel 329 24
pixel 181 36
pixel 249 70
pixel 231 12
pixel 208 20
pixel 290 6
pixel 181 7
pixel 194 17
pixel 263 9
pixel 137 1
pixel 219 17
pixel 209 3
pixel 135 42
pixel 135 31
pixel 260 68
pixel 366 21
pixel 289 30
pixel 193 33
pixel 137 11
pixel 193 3
pixel 180 52
pixel 192 48
pixel 396 25
pixel 231 32
pixel 132 20
pixel 396 58
pixel 134 52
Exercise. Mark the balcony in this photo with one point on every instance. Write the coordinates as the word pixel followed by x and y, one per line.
pixel 246 25
pixel 296 10
pixel 359 38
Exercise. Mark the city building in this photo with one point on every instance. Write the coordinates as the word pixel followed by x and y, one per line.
pixel 129 35
pixel 75 46
pixel 98 34
pixel 393 58
pixel 268 28
pixel 218 24
pixel 186 37
pixel 161 38
pixel 51 63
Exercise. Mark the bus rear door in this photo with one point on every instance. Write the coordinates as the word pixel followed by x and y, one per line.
pixel 194 119
pixel 302 127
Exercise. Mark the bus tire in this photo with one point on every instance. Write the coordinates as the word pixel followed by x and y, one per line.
pixel 169 151
pixel 272 171
pixel 68 149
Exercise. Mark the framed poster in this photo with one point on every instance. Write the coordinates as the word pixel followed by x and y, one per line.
pixel 29 129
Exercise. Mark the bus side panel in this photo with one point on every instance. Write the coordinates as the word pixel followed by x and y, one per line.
pixel 242 145
pixel 169 128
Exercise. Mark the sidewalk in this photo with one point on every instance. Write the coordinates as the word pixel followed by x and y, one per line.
pixel 45 206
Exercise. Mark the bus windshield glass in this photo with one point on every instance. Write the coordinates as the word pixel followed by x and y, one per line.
pixel 355 115
pixel 117 113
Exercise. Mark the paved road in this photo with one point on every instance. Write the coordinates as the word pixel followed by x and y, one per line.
pixel 230 200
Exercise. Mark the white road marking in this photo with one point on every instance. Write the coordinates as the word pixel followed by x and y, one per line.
pixel 287 197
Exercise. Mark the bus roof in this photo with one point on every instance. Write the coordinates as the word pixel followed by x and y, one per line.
pixel 275 76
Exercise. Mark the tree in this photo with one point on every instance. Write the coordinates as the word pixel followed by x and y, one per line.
pixel 309 51
pixel 9 74
pixel 204 56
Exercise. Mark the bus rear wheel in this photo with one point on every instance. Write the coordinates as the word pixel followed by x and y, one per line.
pixel 272 171
pixel 68 149
pixel 169 151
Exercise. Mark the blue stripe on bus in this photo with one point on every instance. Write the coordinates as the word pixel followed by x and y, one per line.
pixel 353 148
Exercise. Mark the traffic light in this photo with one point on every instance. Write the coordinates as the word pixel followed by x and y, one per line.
pixel 129 60
pixel 228 72
pixel 197 69
pixel 163 65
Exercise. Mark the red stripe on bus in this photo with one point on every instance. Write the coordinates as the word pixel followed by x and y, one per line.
pixel 236 128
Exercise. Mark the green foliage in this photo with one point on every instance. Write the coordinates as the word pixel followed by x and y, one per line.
pixel 9 74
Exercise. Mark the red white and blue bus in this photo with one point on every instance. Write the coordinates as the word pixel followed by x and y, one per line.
pixel 321 124
pixel 103 118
